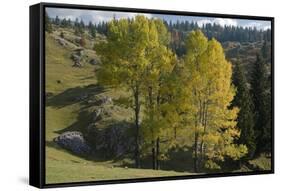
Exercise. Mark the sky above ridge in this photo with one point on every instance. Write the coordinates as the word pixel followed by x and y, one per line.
pixel 99 16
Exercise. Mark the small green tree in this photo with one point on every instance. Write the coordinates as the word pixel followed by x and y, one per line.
pixel 92 30
pixel 62 34
pixel 64 22
pixel 81 24
pixel 82 41
pixel 48 24
pixel 79 27
pixel 57 20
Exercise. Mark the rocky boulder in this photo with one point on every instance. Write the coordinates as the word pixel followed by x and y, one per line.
pixel 97 114
pixel 73 141
pixel 94 61
pixel 103 100
pixel 76 60
pixel 61 41
pixel 77 57
pixel 100 100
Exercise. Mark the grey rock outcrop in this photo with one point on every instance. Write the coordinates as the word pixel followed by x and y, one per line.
pixel 97 114
pixel 94 61
pixel 100 100
pixel 73 141
pixel 114 139
pixel 76 60
pixel 61 41
pixel 103 100
pixel 77 57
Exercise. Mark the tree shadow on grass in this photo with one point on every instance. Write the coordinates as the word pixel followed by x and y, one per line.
pixel 73 95
pixel 83 120
pixel 180 160
pixel 54 145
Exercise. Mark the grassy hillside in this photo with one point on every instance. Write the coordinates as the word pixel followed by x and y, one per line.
pixel 69 91
pixel 65 112
pixel 64 167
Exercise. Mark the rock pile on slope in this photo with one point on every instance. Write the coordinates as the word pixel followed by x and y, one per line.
pixel 73 141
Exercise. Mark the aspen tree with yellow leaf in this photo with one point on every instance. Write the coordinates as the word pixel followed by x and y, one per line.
pixel 159 70
pixel 207 95
pixel 135 57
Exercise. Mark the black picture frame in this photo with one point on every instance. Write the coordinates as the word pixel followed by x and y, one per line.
pixel 37 94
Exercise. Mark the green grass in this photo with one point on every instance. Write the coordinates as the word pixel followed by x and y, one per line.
pixel 64 112
pixel 59 67
pixel 64 167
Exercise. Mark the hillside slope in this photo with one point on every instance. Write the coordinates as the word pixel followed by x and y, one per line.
pixel 65 111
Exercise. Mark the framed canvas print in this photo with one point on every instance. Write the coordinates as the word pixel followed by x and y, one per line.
pixel 123 95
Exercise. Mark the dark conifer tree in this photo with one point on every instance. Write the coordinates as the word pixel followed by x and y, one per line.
pixel 90 25
pixel 57 21
pixel 69 23
pixel 62 34
pixel 243 101
pixel 92 30
pixel 76 23
pixel 262 104
pixel 64 23
pixel 266 51
pixel 81 24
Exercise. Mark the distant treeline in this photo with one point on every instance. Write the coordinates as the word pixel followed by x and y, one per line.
pixel 179 30
pixel 226 33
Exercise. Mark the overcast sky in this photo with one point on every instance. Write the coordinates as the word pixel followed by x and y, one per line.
pixel 98 16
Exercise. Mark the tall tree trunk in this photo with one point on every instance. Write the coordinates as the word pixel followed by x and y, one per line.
pixel 195 160
pixel 201 154
pixel 157 153
pixel 137 137
pixel 196 134
pixel 205 118
pixel 201 147
pixel 150 97
pixel 175 132
pixel 153 155
pixel 158 139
